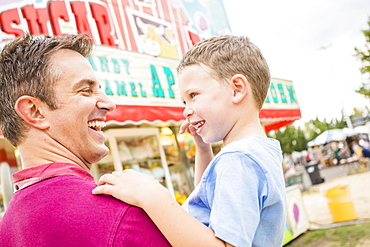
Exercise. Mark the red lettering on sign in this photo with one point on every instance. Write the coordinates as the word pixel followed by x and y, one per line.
pixel 47 20
pixel 79 10
pixel 8 17
pixel 194 37
pixel 29 13
pixel 101 17
pixel 42 19
pixel 57 10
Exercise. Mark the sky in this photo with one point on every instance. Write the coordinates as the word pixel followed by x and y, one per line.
pixel 312 44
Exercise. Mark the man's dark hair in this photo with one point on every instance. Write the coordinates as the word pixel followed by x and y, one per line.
pixel 25 69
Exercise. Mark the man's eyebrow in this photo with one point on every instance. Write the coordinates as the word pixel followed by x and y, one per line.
pixel 85 82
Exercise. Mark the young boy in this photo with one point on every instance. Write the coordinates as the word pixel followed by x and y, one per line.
pixel 240 194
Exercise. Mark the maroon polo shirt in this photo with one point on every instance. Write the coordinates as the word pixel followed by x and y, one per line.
pixel 54 206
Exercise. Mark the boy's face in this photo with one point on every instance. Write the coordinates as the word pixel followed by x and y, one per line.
pixel 208 103
pixel 76 124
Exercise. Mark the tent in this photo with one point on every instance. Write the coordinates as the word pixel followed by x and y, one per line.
pixel 332 135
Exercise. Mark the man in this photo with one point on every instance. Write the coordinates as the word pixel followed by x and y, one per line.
pixel 52 109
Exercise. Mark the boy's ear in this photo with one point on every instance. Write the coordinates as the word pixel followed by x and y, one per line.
pixel 30 110
pixel 240 86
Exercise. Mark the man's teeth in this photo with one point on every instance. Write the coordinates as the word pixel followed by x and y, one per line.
pixel 198 124
pixel 96 124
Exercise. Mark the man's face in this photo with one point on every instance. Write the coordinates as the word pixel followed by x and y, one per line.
pixel 82 108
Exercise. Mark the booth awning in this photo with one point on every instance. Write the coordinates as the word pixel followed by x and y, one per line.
pixel 138 114
pixel 275 119
pixel 271 119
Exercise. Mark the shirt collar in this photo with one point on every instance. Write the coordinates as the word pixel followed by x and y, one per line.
pixel 32 175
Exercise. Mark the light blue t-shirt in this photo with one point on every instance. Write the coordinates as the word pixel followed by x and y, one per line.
pixel 241 196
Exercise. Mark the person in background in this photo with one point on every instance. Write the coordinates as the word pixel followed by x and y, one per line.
pixel 239 199
pixel 366 152
pixel 53 109
pixel 356 149
pixel 364 143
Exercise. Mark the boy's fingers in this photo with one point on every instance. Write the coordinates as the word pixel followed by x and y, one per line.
pixel 107 179
pixel 184 126
pixel 117 174
pixel 192 130
pixel 103 189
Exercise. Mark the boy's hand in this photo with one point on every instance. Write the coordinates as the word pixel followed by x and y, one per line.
pixel 132 187
pixel 203 151
pixel 198 141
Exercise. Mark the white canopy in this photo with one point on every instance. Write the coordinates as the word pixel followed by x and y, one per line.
pixel 332 135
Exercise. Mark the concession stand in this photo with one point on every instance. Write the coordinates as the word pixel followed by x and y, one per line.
pixel 138 46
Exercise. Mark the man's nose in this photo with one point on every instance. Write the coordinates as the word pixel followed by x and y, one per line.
pixel 105 103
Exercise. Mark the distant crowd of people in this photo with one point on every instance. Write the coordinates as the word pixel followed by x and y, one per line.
pixel 334 153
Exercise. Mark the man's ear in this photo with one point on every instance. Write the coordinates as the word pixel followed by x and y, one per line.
pixel 30 110
pixel 240 85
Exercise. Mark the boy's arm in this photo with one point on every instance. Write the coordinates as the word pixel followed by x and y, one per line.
pixel 203 156
pixel 179 228
pixel 203 151
pixel 141 190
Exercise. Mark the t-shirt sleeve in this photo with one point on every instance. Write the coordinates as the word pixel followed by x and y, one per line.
pixel 236 191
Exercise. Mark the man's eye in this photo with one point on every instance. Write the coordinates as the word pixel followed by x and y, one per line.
pixel 86 90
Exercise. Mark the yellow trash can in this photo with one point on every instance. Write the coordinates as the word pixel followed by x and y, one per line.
pixel 340 204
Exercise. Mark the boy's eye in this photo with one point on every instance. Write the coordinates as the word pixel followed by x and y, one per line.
pixel 192 95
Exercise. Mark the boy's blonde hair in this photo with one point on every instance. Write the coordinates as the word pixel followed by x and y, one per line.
pixel 229 55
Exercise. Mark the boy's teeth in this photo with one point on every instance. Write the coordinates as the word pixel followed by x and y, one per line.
pixel 198 124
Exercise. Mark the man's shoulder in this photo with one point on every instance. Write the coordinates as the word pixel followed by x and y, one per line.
pixel 64 205
pixel 73 191
pixel 71 197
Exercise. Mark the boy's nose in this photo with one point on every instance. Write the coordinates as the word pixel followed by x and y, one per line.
pixel 187 112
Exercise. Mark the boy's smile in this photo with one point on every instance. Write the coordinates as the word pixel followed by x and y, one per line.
pixel 197 125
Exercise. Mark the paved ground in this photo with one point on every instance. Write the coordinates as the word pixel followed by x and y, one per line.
pixel 316 204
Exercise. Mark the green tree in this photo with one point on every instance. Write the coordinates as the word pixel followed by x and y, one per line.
pixel 296 139
pixel 301 141
pixel 364 56
pixel 315 127
pixel 291 139
pixel 358 112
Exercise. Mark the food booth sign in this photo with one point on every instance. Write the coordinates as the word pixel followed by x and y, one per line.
pixel 138 46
